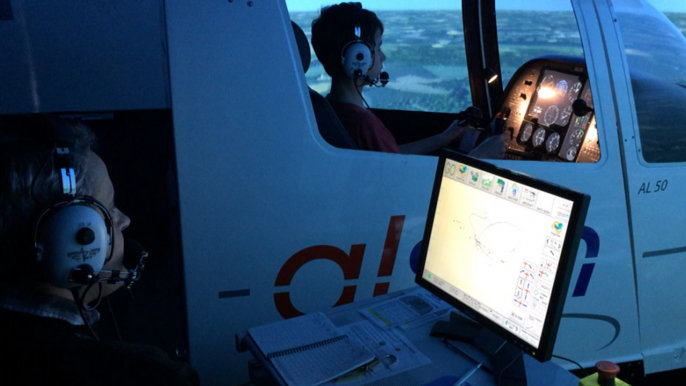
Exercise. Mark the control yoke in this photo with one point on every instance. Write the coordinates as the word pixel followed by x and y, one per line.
pixel 471 117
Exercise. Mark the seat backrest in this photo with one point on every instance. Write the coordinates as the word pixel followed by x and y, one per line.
pixel 330 126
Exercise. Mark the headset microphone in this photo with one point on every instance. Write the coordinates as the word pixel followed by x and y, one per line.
pixel 134 256
pixel 382 78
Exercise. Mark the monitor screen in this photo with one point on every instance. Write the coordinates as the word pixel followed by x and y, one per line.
pixel 500 246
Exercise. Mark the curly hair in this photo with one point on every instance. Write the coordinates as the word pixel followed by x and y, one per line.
pixel 30 182
pixel 335 27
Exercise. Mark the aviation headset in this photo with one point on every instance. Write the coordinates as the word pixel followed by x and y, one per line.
pixel 357 56
pixel 71 238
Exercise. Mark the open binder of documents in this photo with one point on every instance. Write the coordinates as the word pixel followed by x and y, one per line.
pixel 309 350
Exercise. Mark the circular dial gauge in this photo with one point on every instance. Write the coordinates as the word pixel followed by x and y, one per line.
pixel 565 114
pixel 526 132
pixel 553 142
pixel 561 88
pixel 571 154
pixel 576 137
pixel 548 81
pixel 551 115
pixel 574 91
pixel 539 137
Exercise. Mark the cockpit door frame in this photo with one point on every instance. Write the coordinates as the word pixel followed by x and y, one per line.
pixel 481 49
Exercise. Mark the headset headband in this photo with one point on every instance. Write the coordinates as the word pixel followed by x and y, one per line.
pixel 63 162
pixel 77 230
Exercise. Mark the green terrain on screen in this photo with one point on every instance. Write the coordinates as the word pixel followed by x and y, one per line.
pixel 426 57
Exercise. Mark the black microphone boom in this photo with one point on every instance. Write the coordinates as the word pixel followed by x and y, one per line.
pixel 383 79
pixel 134 256
pixel 133 250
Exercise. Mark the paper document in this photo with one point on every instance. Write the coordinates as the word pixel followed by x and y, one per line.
pixel 383 343
pixel 309 350
pixel 410 310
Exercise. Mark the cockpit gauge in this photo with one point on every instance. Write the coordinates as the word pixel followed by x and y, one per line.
pixel 527 130
pixel 548 82
pixel 565 114
pixel 561 88
pixel 552 143
pixel 539 137
pixel 571 154
pixel 574 91
pixel 551 115
pixel 575 138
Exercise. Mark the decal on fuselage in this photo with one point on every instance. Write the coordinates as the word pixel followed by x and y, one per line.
pixel 350 263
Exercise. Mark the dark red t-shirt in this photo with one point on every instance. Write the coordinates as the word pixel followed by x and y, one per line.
pixel 365 128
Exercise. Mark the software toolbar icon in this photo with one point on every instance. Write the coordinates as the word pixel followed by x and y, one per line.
pixel 475 175
pixel 501 184
pixel 557 226
pixel 514 190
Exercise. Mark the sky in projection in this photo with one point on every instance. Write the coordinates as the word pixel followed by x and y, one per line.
pixel 547 5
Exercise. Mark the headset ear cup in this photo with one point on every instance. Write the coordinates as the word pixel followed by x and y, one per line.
pixel 70 237
pixel 357 58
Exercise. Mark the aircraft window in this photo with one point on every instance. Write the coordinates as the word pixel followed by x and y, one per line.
pixel 527 30
pixel 547 104
pixel 548 109
pixel 655 48
pixel 424 46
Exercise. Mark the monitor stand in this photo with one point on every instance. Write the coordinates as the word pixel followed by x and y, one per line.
pixel 497 356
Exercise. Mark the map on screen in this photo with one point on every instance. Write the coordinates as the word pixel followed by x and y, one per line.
pixel 497 245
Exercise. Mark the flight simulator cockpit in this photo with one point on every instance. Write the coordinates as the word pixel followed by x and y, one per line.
pixel 548 112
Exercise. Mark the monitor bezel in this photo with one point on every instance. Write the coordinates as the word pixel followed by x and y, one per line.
pixel 565 266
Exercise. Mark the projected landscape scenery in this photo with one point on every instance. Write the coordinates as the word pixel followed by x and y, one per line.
pixel 426 57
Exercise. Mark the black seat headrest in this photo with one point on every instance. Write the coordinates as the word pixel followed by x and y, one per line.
pixel 303 46
pixel 330 127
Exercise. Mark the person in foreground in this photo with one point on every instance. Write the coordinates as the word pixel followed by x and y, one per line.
pixel 62 250
pixel 347 40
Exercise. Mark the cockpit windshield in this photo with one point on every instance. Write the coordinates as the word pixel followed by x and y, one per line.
pixel 655 48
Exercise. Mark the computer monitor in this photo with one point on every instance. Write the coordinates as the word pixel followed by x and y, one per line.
pixel 500 246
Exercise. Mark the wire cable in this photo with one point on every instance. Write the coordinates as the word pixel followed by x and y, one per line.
pixel 78 299
pixel 114 319
pixel 583 370
pixel 88 288
pixel 360 92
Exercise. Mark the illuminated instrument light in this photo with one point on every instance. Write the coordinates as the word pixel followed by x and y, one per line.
pixel 489 75
pixel 546 92
pixel 592 134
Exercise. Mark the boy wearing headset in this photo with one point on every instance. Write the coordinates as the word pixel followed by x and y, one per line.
pixel 62 248
pixel 347 40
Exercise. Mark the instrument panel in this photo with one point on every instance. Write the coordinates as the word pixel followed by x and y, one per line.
pixel 548 112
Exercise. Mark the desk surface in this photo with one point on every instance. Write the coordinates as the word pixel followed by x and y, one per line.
pixel 444 361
